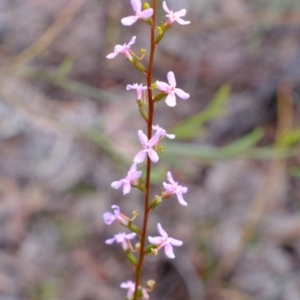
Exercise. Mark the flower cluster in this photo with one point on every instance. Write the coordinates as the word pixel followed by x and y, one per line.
pixel 150 150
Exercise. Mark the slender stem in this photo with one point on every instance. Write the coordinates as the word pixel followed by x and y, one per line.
pixel 148 172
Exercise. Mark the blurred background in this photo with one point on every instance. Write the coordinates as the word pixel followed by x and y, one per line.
pixel 68 128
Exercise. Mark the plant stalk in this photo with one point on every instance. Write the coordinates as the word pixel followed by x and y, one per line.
pixel 139 266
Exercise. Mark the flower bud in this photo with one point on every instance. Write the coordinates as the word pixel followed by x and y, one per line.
pixel 160 96
pixel 140 67
pixel 151 283
pixel 134 228
pixel 146 5
pixel 156 201
pixel 143 111
pixel 131 258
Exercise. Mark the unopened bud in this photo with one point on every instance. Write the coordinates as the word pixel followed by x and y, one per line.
pixel 160 96
pixel 140 67
pixel 131 258
pixel 146 5
pixel 151 283
pixel 137 246
pixel 156 201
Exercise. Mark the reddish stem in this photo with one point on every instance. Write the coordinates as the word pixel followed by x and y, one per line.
pixel 142 253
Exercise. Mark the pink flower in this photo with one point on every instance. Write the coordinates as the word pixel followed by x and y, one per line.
pixel 175 16
pixel 173 188
pixel 109 218
pixel 139 13
pixel 165 241
pixel 147 145
pixel 123 239
pixel 129 180
pixel 171 90
pixel 139 89
pixel 162 132
pixel 130 286
pixel 125 49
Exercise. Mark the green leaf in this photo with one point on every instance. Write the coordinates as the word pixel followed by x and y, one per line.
pixel 241 147
pixel 289 138
pixel 193 126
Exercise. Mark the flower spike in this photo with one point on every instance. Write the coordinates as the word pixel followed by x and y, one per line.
pixel 139 13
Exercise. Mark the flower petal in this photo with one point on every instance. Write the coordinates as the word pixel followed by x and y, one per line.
pixel 161 231
pixel 136 5
pixel 140 157
pixel 181 200
pixel 130 236
pixel 182 94
pixel 132 41
pixel 165 7
pixel 171 79
pixel 126 284
pixel 163 86
pixel 175 242
pixel 168 187
pixel 169 251
pixel 127 21
pixel 110 241
pixel 146 14
pixel 143 138
pixel 132 169
pixel 155 138
pixel 157 240
pixel 117 184
pixel 108 218
pixel 182 22
pixel 120 48
pixel 135 176
pixel 153 156
pixel 131 86
pixel 126 187
pixel 170 136
pixel 181 13
pixel 116 208
pixel 170 178
pixel 183 189
pixel 112 55
pixel 171 100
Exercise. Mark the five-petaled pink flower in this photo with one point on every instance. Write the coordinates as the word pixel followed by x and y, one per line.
pixel 130 179
pixel 125 49
pixel 175 16
pixel 174 188
pixel 171 90
pixel 139 89
pixel 162 132
pixel 139 13
pixel 123 239
pixel 147 145
pixel 165 241
pixel 109 218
